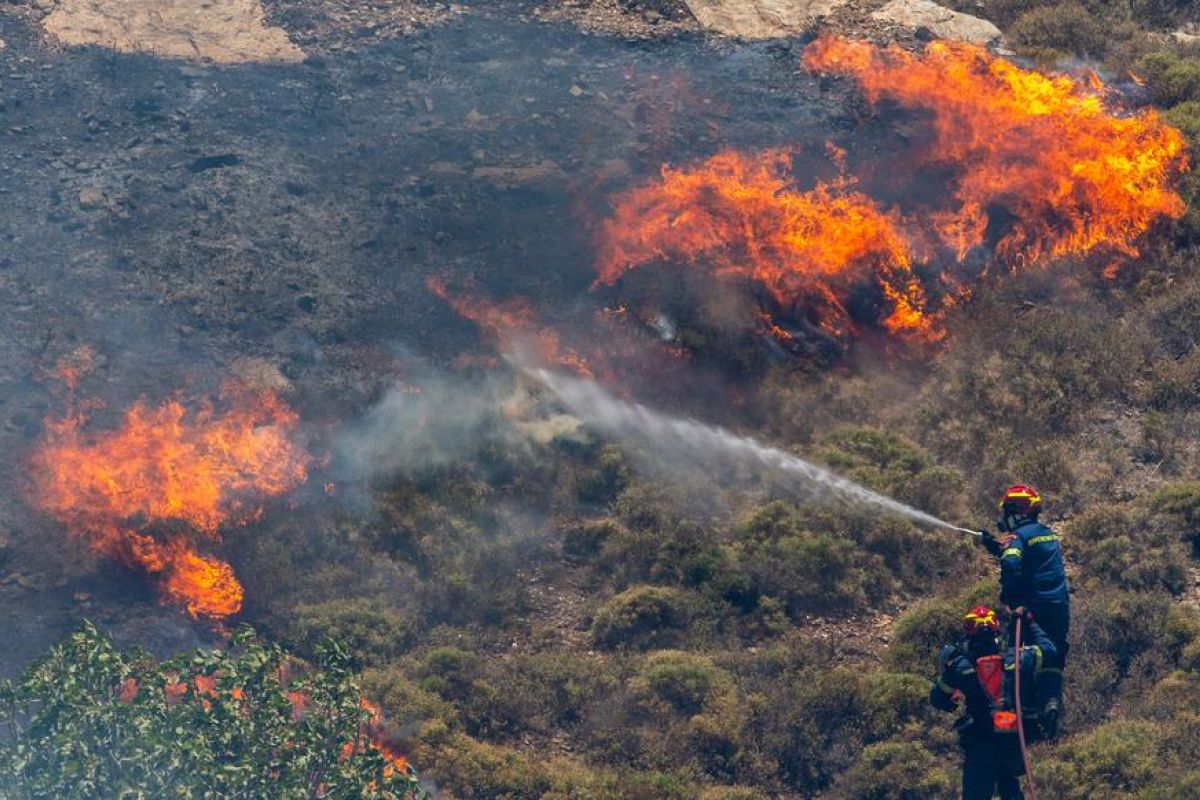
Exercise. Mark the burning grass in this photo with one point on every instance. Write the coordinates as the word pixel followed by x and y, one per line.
pixel 146 492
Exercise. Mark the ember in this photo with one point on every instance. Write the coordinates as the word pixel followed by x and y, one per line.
pixel 204 468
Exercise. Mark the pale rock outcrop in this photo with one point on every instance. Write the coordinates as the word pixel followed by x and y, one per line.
pixel 939 20
pixel 227 31
pixel 761 19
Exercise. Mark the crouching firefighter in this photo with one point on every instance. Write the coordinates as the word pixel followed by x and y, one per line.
pixel 978 674
pixel 1032 576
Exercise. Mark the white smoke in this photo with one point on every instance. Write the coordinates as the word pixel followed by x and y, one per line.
pixel 716 448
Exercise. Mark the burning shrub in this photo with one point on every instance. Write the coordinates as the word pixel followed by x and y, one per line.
pixel 120 489
pixel 1073 175
pixel 89 721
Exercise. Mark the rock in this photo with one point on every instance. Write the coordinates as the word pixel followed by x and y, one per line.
pixel 91 197
pixel 227 31
pixel 1184 37
pixel 761 19
pixel 940 21
pixel 542 172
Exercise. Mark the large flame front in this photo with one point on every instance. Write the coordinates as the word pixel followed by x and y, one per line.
pixel 1072 173
pixel 741 216
pixel 165 464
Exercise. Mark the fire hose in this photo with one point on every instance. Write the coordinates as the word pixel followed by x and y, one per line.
pixel 1020 716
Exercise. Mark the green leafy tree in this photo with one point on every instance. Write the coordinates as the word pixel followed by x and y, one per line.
pixel 90 721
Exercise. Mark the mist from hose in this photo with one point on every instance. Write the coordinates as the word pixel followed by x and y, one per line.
pixel 705 444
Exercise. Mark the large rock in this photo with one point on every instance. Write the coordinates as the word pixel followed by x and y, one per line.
pixel 228 31
pixel 941 21
pixel 761 19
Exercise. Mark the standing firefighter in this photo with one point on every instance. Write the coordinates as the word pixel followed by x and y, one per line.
pixel 976 673
pixel 1032 576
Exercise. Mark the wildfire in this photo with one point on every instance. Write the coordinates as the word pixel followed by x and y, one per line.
pixel 1073 174
pixel 118 489
pixel 509 321
pixel 740 216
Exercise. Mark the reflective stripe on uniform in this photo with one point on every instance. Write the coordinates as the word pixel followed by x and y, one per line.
pixel 1049 671
pixel 1037 651
pixel 945 687
pixel 1050 537
pixel 1012 551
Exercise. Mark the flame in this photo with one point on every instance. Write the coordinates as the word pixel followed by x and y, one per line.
pixel 509 321
pixel 740 216
pixel 166 463
pixel 1074 174
pixel 377 734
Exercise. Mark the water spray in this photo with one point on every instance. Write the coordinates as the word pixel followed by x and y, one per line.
pixel 699 441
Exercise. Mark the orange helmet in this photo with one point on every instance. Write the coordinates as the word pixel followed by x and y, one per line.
pixel 1021 500
pixel 980 619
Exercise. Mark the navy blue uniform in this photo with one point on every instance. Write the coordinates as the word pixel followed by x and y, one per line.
pixel 1032 575
pixel 991 760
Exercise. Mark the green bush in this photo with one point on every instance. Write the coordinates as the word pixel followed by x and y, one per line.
pixel 1116 760
pixel 920 633
pixel 1173 80
pixel 641 617
pixel 896 771
pixel 685 682
pixel 371 631
pixel 1064 27
pixel 808 570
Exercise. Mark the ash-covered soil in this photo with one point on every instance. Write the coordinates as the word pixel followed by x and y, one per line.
pixel 183 218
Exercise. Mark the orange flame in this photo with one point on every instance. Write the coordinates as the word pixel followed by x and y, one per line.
pixel 1074 174
pixel 164 463
pixel 509 321
pixel 376 731
pixel 741 216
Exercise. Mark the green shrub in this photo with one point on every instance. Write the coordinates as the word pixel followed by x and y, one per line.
pixel 896 771
pixel 641 617
pixel 1064 27
pixel 685 682
pixel 808 570
pixel 584 541
pixel 921 632
pixel 1173 80
pixel 1116 760
pixel 371 631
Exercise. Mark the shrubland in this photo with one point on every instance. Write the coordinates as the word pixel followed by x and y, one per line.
pixel 662 637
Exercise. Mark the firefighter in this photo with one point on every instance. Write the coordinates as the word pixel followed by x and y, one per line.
pixel 974 672
pixel 1032 576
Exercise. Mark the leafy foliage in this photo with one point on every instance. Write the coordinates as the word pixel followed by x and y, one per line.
pixel 90 721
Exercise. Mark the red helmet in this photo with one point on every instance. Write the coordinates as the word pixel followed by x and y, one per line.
pixel 980 619
pixel 1021 500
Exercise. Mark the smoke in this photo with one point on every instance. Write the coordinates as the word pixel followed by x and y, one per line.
pixel 675 438
pixel 439 420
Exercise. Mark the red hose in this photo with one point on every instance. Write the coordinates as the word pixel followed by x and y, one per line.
pixel 1020 717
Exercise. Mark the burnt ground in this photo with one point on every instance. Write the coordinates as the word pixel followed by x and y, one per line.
pixel 177 217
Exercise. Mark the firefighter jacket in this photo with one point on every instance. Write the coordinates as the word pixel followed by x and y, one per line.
pixel 986 686
pixel 1031 568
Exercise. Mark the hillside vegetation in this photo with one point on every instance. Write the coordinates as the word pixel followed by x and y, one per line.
pixel 672 639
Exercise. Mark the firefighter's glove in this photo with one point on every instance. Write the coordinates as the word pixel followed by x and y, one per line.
pixel 990 543
pixel 947 655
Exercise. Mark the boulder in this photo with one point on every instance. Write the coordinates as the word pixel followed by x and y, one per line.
pixel 227 31
pixel 939 20
pixel 761 19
